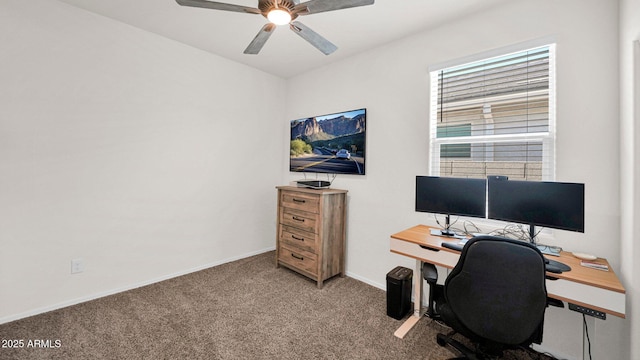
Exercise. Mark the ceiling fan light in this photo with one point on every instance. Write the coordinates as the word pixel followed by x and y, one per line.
pixel 279 17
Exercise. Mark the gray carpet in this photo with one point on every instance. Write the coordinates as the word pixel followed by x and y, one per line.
pixel 247 309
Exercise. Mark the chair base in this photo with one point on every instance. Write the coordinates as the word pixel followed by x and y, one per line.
pixel 444 340
pixel 467 353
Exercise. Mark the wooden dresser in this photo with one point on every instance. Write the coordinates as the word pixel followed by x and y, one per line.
pixel 311 231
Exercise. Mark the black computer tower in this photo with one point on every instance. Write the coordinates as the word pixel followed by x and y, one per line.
pixel 399 292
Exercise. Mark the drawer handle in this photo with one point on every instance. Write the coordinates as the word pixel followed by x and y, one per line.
pixel 299 200
pixel 297 238
pixel 297 257
pixel 298 219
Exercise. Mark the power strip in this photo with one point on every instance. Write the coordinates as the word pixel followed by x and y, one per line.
pixel 587 311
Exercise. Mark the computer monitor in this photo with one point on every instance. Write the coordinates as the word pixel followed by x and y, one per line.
pixel 451 196
pixel 557 205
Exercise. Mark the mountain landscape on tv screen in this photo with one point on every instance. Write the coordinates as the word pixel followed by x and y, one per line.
pixel 317 144
pixel 312 130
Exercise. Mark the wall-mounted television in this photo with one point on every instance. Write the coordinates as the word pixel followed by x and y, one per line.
pixel 332 143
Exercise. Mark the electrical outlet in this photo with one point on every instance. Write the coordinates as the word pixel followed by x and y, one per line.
pixel 587 311
pixel 77 266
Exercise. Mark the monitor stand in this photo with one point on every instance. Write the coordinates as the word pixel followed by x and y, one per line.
pixel 557 265
pixel 446 231
pixel 443 232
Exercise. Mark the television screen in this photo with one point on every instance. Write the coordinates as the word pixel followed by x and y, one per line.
pixel 548 204
pixel 451 196
pixel 333 143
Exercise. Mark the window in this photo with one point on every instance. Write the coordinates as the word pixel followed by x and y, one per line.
pixel 455 150
pixel 495 117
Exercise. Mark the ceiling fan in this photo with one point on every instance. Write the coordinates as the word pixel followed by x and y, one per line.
pixel 282 12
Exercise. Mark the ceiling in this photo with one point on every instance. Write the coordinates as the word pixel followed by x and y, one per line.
pixel 285 54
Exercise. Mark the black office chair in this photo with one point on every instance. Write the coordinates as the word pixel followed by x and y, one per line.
pixel 495 296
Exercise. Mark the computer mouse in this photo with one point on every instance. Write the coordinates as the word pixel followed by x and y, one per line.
pixel 553 269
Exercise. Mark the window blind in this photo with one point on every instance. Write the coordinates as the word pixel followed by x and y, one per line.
pixel 495 117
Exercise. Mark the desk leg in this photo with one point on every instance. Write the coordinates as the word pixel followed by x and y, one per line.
pixel 417 303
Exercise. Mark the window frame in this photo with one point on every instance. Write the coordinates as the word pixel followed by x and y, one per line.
pixel 547 139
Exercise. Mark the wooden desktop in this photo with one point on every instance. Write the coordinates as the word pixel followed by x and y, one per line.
pixel 594 289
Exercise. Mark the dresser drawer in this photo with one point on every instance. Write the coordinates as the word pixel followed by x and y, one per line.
pixel 299 239
pixel 299 219
pixel 301 201
pixel 299 259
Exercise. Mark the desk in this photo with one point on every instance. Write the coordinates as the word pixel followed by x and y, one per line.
pixel 594 289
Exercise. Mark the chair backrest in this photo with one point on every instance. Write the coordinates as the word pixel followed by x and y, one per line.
pixel 497 289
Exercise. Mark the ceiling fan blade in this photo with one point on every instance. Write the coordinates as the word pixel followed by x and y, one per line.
pixel 317 6
pixel 313 38
pixel 218 6
pixel 258 42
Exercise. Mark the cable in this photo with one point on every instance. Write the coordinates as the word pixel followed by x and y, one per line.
pixel 586 331
pixel 513 231
pixel 475 229
pixel 435 216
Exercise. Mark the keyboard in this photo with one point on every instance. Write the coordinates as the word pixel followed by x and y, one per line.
pixel 550 265
pixel 452 245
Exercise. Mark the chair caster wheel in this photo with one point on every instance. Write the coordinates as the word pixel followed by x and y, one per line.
pixel 440 340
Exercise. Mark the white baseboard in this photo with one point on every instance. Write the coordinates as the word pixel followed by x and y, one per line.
pixel 367 281
pixel 79 300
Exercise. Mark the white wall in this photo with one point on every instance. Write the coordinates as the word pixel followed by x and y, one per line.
pixel 115 148
pixel 128 150
pixel 630 152
pixel 392 83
